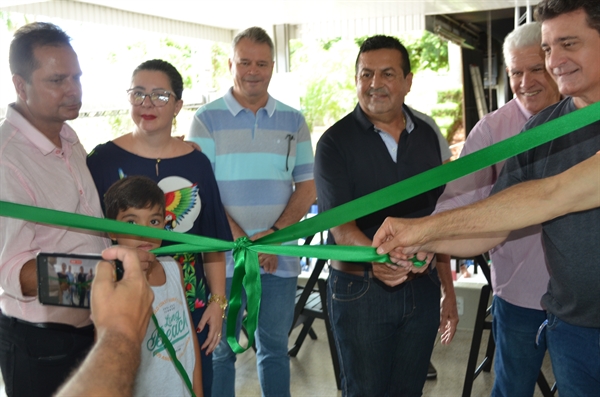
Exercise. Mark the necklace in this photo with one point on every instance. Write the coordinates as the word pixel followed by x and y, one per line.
pixel 158 159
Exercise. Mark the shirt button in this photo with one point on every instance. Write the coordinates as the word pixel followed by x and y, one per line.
pixel 81 192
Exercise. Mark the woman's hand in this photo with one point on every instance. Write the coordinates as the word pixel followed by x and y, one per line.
pixel 213 317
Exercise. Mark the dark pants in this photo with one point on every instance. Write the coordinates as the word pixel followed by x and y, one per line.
pixel 384 336
pixel 36 361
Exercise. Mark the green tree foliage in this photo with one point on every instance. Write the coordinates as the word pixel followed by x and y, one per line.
pixel 426 52
pixel 13 21
pixel 179 55
pixel 219 58
pixel 327 78
pixel 448 111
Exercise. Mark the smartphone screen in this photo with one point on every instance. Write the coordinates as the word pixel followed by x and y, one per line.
pixel 65 279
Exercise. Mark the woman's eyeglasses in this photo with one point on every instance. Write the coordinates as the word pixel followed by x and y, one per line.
pixel 158 98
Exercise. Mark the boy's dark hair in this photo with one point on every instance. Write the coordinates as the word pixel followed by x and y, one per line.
pixel 163 66
pixel 29 37
pixel 550 9
pixel 382 42
pixel 132 192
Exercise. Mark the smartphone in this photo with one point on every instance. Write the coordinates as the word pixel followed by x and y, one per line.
pixel 65 279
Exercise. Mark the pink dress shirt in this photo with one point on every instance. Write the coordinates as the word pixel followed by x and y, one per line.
pixel 519 272
pixel 35 172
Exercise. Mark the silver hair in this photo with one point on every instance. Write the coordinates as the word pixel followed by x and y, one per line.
pixel 526 35
pixel 256 35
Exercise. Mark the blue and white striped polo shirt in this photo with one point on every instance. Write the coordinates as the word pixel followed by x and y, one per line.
pixel 256 160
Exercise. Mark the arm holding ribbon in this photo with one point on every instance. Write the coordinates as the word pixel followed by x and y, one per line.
pixel 525 204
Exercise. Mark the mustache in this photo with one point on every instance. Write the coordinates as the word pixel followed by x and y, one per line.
pixel 380 90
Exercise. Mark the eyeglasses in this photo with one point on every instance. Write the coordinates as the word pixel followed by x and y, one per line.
pixel 158 98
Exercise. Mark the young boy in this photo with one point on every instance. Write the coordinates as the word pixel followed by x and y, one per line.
pixel 139 200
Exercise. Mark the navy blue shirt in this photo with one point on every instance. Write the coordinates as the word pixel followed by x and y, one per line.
pixel 352 161
pixel 193 203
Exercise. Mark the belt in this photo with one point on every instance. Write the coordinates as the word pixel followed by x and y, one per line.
pixel 89 329
pixel 359 270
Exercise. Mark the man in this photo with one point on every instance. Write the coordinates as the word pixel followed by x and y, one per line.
pixel 262 157
pixel 519 275
pixel 63 284
pixel 72 287
pixel 81 286
pixel 88 282
pixel 384 318
pixel 121 311
pixel 42 163
pixel 570 39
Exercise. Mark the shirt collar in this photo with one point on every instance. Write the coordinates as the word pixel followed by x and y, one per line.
pixel 525 112
pixel 366 124
pixel 234 106
pixel 33 135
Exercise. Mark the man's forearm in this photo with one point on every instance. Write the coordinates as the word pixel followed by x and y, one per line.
pixel 236 230
pixel 298 205
pixel 350 234
pixel 525 204
pixel 116 358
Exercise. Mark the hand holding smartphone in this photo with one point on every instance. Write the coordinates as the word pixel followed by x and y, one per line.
pixel 65 279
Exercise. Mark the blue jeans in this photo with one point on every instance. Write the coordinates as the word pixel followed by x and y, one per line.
pixel 518 360
pixel 274 322
pixel 384 336
pixel 575 355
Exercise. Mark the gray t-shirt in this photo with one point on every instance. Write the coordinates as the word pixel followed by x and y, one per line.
pixel 444 147
pixel 571 242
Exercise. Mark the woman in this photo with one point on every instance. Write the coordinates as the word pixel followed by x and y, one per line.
pixel 185 175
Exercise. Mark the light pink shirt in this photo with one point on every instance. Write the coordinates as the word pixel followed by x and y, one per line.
pixel 519 273
pixel 35 172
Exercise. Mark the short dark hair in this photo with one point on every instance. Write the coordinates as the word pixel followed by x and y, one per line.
pixel 550 9
pixel 163 66
pixel 29 37
pixel 132 192
pixel 380 42
pixel 256 35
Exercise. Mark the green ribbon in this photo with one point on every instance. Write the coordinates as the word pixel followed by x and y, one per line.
pixel 169 346
pixel 247 274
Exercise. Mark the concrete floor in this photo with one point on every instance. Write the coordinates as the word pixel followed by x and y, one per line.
pixel 312 371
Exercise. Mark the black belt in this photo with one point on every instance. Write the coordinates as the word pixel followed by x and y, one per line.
pixel 89 329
